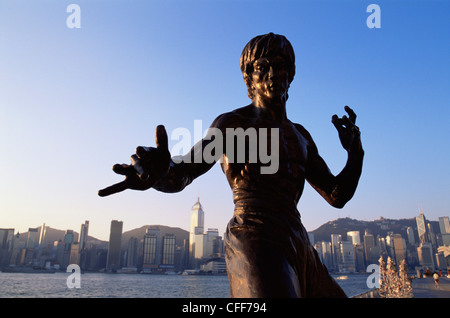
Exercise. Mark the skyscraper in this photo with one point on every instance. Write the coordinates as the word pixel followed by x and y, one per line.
pixel 336 239
pixel 354 237
pixel 42 235
pixel 83 235
pixel 410 234
pixel 82 248
pixel 399 248
pixel 347 260
pixel 31 244
pixel 426 256
pixel 68 240
pixel 6 245
pixel 422 228
pixel 196 231
pixel 369 249
pixel 168 252
pixel 152 250
pixel 444 225
pixel 115 241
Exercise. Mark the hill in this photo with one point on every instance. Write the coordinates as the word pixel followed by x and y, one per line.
pixel 52 235
pixel 380 227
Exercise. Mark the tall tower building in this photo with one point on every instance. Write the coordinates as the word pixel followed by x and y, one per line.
pixel 410 233
pixel 82 248
pixel 83 235
pixel 369 249
pixel 336 239
pixel 422 228
pixel 196 230
pixel 168 251
pixel 354 237
pixel 399 248
pixel 444 225
pixel 42 234
pixel 152 250
pixel 6 245
pixel 115 242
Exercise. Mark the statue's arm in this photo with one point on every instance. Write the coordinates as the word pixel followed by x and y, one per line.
pixel 154 168
pixel 336 190
pixel 184 169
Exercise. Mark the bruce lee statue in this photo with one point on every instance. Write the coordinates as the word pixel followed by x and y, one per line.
pixel 268 252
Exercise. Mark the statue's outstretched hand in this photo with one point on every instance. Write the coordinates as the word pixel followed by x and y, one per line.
pixel 147 166
pixel 349 133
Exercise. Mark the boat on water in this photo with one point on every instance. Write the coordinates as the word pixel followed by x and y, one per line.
pixel 27 269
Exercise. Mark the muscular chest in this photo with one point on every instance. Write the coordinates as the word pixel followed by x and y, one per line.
pixel 281 149
pixel 292 151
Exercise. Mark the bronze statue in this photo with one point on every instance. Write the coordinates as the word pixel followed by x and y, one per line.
pixel 268 253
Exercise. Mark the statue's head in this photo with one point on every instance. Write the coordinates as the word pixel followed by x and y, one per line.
pixel 268 46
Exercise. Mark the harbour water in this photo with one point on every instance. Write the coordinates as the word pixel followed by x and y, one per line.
pixel 101 285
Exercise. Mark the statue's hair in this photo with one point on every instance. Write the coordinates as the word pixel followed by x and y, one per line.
pixel 267 45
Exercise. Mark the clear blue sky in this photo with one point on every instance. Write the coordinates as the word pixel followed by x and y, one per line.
pixel 73 102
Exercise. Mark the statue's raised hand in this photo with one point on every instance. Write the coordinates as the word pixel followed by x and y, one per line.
pixel 349 134
pixel 147 166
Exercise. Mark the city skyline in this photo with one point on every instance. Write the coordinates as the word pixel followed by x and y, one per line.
pixel 73 102
pixel 188 228
pixel 201 249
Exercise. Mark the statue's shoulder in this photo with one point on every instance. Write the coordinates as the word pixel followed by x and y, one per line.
pixel 305 133
pixel 234 118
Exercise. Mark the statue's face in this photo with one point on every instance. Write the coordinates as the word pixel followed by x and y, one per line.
pixel 270 78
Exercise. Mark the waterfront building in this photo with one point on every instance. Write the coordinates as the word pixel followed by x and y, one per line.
pixel 399 248
pixel 17 247
pixel 358 255
pixel 159 253
pixel 151 251
pixel 74 255
pixel 115 241
pixel 336 239
pixel 132 252
pixel 425 254
pixel 168 251
pixel 83 235
pixel 31 244
pixel 327 255
pixel 82 246
pixel 6 245
pixel 371 251
pixel 212 243
pixel 215 266
pixel 347 261
pixel 68 240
